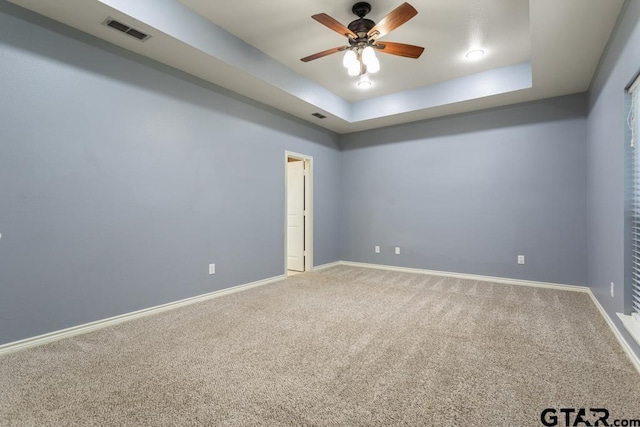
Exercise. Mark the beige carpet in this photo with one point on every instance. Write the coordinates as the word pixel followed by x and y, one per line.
pixel 345 346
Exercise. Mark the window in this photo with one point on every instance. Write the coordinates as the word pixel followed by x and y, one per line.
pixel 632 322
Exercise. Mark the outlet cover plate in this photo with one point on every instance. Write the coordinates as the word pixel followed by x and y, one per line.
pixel 612 289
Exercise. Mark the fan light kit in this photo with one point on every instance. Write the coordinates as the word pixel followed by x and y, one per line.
pixel 356 61
pixel 363 34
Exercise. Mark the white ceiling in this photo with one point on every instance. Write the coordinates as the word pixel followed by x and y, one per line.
pixel 284 30
pixel 534 49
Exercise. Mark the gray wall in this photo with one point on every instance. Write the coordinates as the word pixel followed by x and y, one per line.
pixel 606 163
pixel 469 193
pixel 121 180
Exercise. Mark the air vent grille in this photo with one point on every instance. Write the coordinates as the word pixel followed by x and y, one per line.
pixel 137 34
pixel 318 115
pixel 123 28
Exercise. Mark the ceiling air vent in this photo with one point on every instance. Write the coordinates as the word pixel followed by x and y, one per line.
pixel 318 115
pixel 123 28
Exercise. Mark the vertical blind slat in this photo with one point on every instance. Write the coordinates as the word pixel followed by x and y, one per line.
pixel 634 125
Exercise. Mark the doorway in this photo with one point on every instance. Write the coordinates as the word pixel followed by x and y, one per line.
pixel 298 213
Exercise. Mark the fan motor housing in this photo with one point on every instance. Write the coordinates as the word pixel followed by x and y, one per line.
pixel 361 26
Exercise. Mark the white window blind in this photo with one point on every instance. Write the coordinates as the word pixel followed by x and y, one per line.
pixel 633 121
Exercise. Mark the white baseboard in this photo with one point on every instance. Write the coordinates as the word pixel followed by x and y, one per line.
pixel 99 324
pixel 632 325
pixel 623 343
pixel 325 266
pixel 502 280
pixel 616 332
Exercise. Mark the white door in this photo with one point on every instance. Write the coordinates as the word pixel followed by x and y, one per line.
pixel 295 216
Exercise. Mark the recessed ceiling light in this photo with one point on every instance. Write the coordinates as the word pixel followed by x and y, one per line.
pixel 475 54
pixel 364 83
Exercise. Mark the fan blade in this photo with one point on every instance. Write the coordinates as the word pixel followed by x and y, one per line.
pixel 334 25
pixel 393 20
pixel 400 49
pixel 324 53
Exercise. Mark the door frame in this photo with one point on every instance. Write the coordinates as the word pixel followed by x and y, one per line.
pixel 308 208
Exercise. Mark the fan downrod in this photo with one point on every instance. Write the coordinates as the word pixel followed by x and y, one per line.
pixel 361 9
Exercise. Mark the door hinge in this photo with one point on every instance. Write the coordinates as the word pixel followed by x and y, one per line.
pixel 304 253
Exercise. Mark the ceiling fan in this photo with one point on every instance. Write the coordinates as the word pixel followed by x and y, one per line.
pixel 363 35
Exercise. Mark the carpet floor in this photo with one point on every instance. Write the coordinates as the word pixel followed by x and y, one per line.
pixel 343 346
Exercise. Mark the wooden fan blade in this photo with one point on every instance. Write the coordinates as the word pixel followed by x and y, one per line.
pixel 323 53
pixel 393 20
pixel 400 49
pixel 334 25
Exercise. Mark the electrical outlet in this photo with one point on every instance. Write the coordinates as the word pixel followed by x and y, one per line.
pixel 612 287
pixel 521 259
pixel 377 249
pixel 212 269
pixel 397 250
